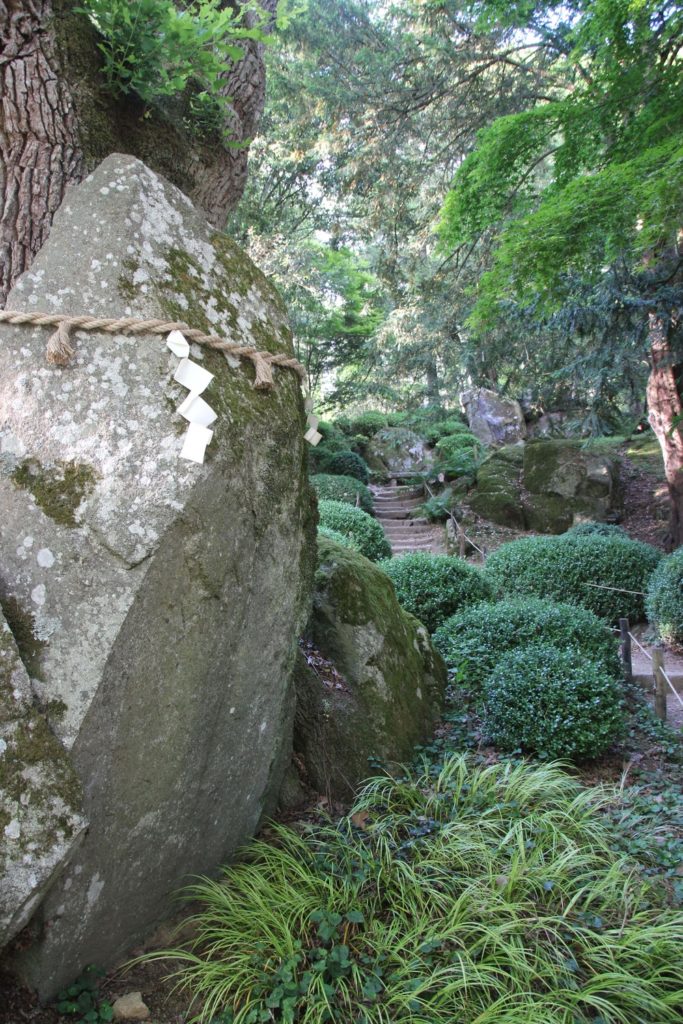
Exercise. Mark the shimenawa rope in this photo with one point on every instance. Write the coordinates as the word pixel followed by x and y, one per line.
pixel 60 349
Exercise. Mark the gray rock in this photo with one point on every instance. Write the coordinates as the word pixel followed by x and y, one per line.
pixel 494 420
pixel 131 1007
pixel 376 686
pixel 396 451
pixel 155 601
pixel 40 797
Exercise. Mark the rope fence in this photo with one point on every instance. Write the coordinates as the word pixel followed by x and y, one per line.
pixel 662 680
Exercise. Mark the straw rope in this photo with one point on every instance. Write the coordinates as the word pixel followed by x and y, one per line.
pixel 60 349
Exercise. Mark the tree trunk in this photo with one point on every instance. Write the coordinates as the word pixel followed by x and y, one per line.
pixel 666 419
pixel 39 149
pixel 58 121
pixel 432 390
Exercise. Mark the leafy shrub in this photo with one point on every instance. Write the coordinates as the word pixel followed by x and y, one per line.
pixel 432 587
pixel 368 423
pixel 478 894
pixel 567 569
pixel 353 522
pixel 347 463
pixel 346 540
pixel 446 428
pixel 343 488
pixel 664 600
pixel 478 637
pixel 458 454
pixel 320 457
pixel 331 431
pixel 553 702
pixel 595 530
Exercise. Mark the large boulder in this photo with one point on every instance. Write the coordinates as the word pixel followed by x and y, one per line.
pixel 547 486
pixel 155 602
pixel 41 822
pixel 494 420
pixel 372 686
pixel 396 451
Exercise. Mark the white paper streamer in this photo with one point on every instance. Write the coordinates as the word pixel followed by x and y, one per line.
pixel 178 344
pixel 312 436
pixel 308 404
pixel 193 376
pixel 196 440
pixel 313 421
pixel 196 410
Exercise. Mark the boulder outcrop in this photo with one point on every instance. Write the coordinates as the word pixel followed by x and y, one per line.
pixel 493 419
pixel 396 451
pixel 155 602
pixel 376 685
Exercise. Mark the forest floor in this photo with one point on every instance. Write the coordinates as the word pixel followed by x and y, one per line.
pixel 648 764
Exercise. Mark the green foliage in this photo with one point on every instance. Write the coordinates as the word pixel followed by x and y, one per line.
pixel 346 540
pixel 437 508
pixel 607 575
pixel 664 601
pixel 458 455
pixel 347 463
pixel 157 49
pixel 469 894
pixel 319 458
pixel 368 423
pixel 596 530
pixel 446 428
pixel 434 587
pixel 554 702
pixel 475 639
pixel 343 488
pixel 353 522
pixel 81 1000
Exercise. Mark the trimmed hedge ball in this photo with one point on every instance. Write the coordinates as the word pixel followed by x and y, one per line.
pixel 433 587
pixel 348 464
pixel 477 638
pixel 596 530
pixel 368 423
pixel 353 522
pixel 607 575
pixel 554 702
pixel 345 540
pixel 664 601
pixel 343 488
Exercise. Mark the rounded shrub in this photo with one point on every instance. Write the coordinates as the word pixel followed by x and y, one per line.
pixel 347 463
pixel 595 530
pixel 475 893
pixel 446 428
pixel 346 540
pixel 320 457
pixel 477 638
pixel 433 587
pixel 343 488
pixel 554 702
pixel 607 575
pixel 459 454
pixel 353 522
pixel 368 423
pixel 664 601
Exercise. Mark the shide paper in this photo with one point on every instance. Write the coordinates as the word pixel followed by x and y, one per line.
pixel 196 440
pixel 194 409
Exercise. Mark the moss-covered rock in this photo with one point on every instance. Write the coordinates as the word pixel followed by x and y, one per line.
pixel 396 450
pixel 377 685
pixel 498 494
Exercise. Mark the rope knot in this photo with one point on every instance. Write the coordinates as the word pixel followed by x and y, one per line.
pixel 59 348
pixel 264 371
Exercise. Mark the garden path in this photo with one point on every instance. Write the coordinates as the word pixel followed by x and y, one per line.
pixel 394 505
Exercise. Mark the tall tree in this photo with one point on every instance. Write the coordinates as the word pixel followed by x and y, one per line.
pixel 587 179
pixel 60 117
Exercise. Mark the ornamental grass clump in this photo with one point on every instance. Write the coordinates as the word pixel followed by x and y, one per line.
pixel 553 702
pixel 434 587
pixel 607 575
pixel 343 488
pixel 664 601
pixel 476 638
pixel 365 531
pixel 472 896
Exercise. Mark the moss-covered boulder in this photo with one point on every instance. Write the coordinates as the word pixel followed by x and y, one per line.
pixel 375 685
pixel 41 821
pixel 396 451
pixel 547 486
pixel 565 482
pixel 498 494
pixel 155 601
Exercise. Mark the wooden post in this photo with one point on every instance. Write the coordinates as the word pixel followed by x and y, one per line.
pixel 625 649
pixel 660 684
pixel 461 542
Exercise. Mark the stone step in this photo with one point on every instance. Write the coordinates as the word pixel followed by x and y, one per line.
pixel 398 493
pixel 400 528
pixel 391 502
pixel 397 512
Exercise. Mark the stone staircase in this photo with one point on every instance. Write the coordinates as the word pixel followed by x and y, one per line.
pixel 394 504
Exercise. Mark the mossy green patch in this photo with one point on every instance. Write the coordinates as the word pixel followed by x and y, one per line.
pixel 21 624
pixel 59 490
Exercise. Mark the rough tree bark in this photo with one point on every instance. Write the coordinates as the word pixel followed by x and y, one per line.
pixel 57 121
pixel 665 407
